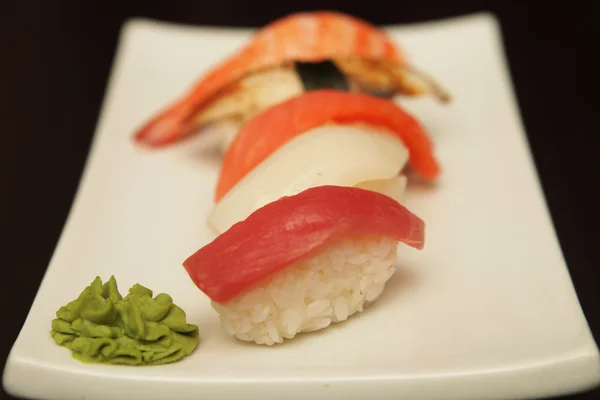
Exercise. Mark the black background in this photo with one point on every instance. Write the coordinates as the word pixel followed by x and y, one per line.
pixel 55 57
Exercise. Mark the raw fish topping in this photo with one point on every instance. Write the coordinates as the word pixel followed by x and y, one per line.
pixel 292 227
pixel 338 155
pixel 274 127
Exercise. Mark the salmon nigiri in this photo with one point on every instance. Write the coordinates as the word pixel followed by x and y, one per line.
pixel 297 53
pixel 304 261
pixel 274 127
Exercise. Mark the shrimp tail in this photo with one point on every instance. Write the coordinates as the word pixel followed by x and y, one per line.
pixel 168 126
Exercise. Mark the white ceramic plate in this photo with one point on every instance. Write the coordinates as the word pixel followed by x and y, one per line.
pixel 487 310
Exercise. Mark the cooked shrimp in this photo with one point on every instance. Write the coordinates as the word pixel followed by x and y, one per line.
pixel 263 72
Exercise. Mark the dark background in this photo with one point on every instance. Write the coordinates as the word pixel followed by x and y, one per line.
pixel 55 58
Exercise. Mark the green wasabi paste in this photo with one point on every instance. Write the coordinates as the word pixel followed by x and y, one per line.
pixel 101 326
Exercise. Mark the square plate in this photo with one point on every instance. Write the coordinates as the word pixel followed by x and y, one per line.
pixel 487 310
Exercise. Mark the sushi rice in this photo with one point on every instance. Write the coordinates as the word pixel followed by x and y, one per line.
pixel 323 288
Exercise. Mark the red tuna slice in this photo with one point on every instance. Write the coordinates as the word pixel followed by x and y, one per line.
pixel 284 231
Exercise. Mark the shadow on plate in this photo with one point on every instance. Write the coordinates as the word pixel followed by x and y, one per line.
pixel 205 146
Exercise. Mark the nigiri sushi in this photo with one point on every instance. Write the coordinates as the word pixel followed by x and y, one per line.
pixel 274 127
pixel 339 155
pixel 297 53
pixel 303 262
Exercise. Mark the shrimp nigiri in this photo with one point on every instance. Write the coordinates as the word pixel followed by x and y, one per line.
pixel 303 262
pixel 271 129
pixel 280 61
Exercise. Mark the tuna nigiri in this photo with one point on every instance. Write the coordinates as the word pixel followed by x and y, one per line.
pixel 304 261
pixel 274 127
pixel 283 59
pixel 327 155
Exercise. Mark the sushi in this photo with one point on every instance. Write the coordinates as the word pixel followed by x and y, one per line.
pixel 294 54
pixel 303 262
pixel 339 155
pixel 274 127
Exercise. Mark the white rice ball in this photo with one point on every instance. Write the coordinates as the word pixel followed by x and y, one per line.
pixel 309 295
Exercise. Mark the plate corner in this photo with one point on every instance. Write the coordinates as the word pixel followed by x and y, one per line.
pixel 132 24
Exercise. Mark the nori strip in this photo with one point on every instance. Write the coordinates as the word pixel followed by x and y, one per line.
pixel 325 75
pixel 321 75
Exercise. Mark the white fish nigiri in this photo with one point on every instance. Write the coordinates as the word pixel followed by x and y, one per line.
pixel 340 155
